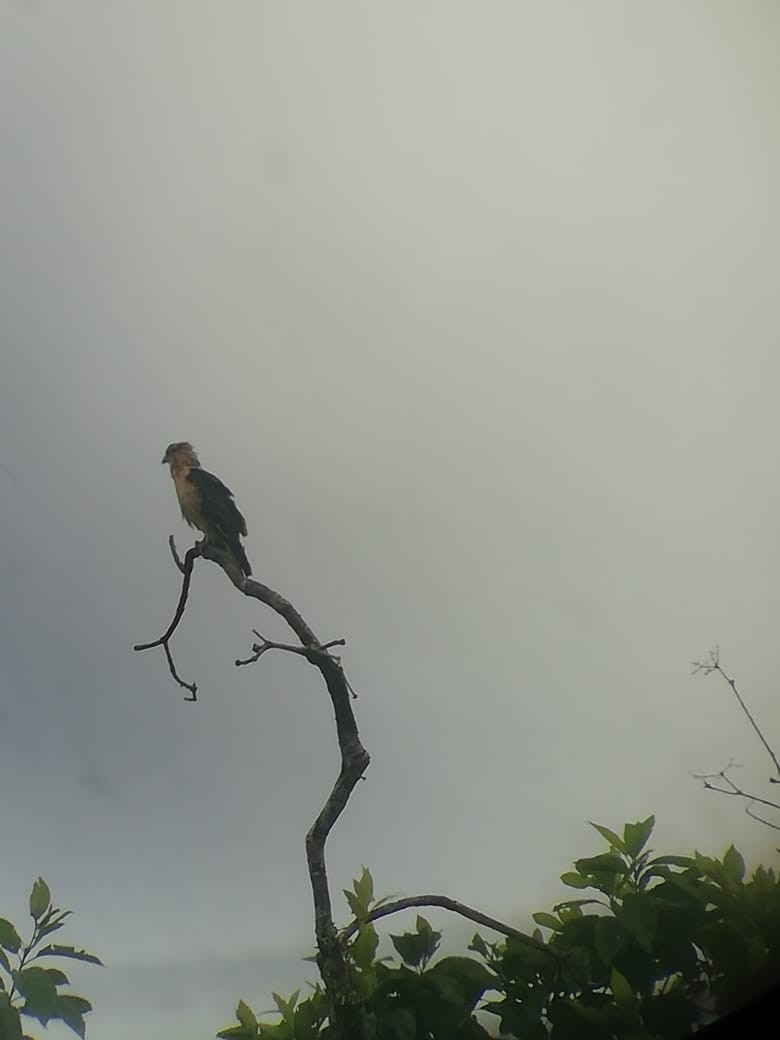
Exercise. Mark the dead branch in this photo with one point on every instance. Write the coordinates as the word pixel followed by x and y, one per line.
pixel 712 664
pixel 258 649
pixel 760 819
pixel 715 782
pixel 456 907
pixel 165 638
pixel 347 1016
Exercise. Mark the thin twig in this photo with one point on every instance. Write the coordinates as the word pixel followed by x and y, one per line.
pixel 165 638
pixel 713 665
pixel 309 652
pixel 446 903
pixel 175 553
pixel 736 792
pixel 755 816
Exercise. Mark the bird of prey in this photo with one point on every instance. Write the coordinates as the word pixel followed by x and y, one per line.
pixel 206 503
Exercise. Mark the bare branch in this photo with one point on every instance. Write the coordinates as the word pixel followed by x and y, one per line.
pixel 712 664
pixel 456 907
pixel 309 652
pixel 347 1015
pixel 713 782
pixel 165 638
pixel 175 553
pixel 767 823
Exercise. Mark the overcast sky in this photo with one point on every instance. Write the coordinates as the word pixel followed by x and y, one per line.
pixel 475 309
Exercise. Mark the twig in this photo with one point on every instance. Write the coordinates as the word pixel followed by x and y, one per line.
pixel 175 553
pixel 755 816
pixel 446 903
pixel 309 652
pixel 734 791
pixel 165 638
pixel 713 665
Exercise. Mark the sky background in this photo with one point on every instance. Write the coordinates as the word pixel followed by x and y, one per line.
pixel 475 309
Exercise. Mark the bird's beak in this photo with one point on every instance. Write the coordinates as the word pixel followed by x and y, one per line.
pixel 164 459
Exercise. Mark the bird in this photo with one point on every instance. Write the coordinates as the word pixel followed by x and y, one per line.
pixel 206 503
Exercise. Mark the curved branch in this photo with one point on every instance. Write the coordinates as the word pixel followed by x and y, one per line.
pixel 348 1019
pixel 347 1015
pixel 165 638
pixel 446 903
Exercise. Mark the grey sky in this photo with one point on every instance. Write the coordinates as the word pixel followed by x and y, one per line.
pixel 475 309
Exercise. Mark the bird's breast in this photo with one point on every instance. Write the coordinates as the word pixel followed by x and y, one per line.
pixel 189 500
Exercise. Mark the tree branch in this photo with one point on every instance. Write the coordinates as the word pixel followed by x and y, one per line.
pixel 712 664
pixel 736 792
pixel 760 819
pixel 446 903
pixel 258 649
pixel 346 1012
pixel 165 638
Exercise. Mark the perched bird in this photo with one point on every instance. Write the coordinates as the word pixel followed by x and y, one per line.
pixel 206 503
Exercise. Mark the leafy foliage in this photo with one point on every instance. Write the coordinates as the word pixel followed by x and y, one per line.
pixel 671 943
pixel 662 946
pixel 32 989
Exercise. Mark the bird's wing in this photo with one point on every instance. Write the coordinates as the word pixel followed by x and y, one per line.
pixel 217 504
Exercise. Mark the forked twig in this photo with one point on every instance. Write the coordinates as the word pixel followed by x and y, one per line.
pixel 712 664
pixel 165 638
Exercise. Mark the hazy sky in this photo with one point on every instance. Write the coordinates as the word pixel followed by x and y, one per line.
pixel 475 308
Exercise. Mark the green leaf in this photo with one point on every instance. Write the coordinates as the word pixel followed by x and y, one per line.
pixel 364 946
pixel 708 866
pixel 575 880
pixel 51 922
pixel 610 939
pixel 40 899
pixel 35 978
pixel 547 921
pixel 603 864
pixel 38 986
pixel 571 912
pixel 55 950
pixel 577 902
pixel 471 977
pixel 71 1010
pixel 416 948
pixel 639 915
pixel 635 835
pixel 9 937
pixel 246 1017
pixel 734 864
pixel 622 989
pixel 672 861
pixel 6 964
pixel 364 888
pixel 10 1025
pixel 354 904
pixel 611 837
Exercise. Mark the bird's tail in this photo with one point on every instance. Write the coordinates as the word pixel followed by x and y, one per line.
pixel 238 551
pixel 232 544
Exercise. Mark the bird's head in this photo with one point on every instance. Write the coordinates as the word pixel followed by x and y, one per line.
pixel 180 453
